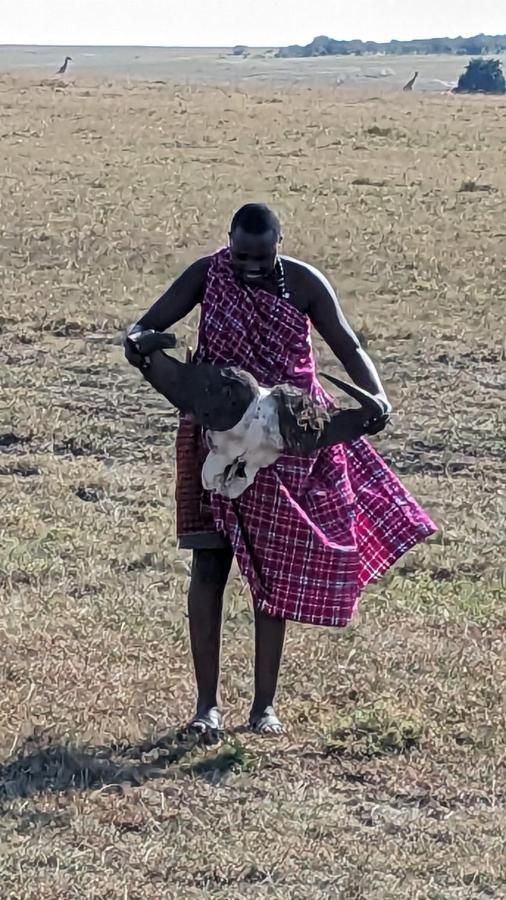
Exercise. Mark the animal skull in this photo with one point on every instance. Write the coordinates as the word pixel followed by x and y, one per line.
pixel 248 426
pixel 236 455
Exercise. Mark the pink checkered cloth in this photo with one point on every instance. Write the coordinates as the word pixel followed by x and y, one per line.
pixel 310 533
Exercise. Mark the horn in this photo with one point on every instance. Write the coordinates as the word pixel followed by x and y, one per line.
pixel 344 426
pixel 305 425
pixel 363 397
pixel 167 375
pixel 216 396
pixel 146 342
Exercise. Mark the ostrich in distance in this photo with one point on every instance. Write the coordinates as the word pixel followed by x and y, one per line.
pixel 410 83
pixel 63 68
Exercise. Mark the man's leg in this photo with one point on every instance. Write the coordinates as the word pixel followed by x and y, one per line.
pixel 269 639
pixel 210 571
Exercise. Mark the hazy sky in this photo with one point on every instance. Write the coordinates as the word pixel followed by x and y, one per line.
pixel 229 22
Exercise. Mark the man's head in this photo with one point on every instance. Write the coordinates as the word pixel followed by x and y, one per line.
pixel 254 236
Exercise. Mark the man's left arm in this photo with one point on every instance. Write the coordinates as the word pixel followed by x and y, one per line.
pixel 329 320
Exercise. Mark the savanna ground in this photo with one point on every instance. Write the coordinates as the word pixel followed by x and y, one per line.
pixel 391 781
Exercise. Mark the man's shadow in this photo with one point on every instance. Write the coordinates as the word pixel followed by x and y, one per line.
pixel 41 765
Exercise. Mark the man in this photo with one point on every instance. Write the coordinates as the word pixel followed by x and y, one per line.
pixel 310 533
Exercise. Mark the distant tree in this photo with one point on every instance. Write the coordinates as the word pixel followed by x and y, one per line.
pixel 326 46
pixel 482 75
pixel 474 46
pixel 440 45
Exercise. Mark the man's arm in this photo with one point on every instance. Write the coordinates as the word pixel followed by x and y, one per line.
pixel 328 318
pixel 182 296
pixel 179 300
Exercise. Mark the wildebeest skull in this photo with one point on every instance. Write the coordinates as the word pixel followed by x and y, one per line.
pixel 248 426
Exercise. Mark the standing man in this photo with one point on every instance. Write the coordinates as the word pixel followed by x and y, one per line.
pixel 310 533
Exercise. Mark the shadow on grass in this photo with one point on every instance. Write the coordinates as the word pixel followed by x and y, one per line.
pixel 45 764
pixel 55 767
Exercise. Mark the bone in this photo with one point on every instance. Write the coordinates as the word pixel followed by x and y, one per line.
pixel 249 426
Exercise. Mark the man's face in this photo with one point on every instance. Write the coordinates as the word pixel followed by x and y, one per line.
pixel 253 255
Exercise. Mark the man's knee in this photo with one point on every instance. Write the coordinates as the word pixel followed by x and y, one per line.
pixel 211 567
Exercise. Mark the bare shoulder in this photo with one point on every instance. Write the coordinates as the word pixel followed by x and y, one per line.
pixel 180 298
pixel 199 268
pixel 192 280
pixel 306 283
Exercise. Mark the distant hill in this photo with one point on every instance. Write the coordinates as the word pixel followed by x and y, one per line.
pixel 324 46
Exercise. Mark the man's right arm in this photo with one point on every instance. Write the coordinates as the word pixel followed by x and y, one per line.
pixel 183 295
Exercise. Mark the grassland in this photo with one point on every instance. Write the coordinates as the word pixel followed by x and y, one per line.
pixel 391 781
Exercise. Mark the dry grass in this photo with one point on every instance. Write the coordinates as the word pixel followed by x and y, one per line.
pixel 392 780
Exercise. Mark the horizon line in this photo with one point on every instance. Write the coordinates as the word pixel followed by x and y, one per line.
pixel 243 44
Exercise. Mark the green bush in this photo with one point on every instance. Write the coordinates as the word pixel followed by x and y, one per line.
pixel 484 75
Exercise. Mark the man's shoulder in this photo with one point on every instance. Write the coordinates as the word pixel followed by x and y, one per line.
pixel 204 263
pixel 201 264
pixel 303 275
pixel 196 272
pixel 300 267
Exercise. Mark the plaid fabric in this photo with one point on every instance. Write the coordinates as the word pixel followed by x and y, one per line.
pixel 310 533
pixel 194 520
pixel 193 511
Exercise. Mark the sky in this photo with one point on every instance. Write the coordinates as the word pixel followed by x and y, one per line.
pixel 228 22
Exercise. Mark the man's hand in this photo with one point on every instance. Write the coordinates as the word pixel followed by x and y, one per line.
pixel 140 343
pixel 131 352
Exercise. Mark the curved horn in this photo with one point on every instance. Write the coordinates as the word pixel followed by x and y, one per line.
pixel 363 397
pixel 216 396
pixel 164 373
pixel 344 426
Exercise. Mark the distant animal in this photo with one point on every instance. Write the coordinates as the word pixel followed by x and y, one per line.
pixel 410 83
pixel 248 426
pixel 64 67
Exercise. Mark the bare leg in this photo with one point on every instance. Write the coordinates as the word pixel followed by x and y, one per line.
pixel 210 571
pixel 269 639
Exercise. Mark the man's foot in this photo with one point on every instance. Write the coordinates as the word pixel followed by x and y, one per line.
pixel 206 724
pixel 265 722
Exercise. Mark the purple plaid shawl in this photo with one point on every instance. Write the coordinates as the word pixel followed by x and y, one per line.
pixel 310 533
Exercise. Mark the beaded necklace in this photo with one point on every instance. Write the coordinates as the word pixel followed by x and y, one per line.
pixel 280 280
pixel 282 292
